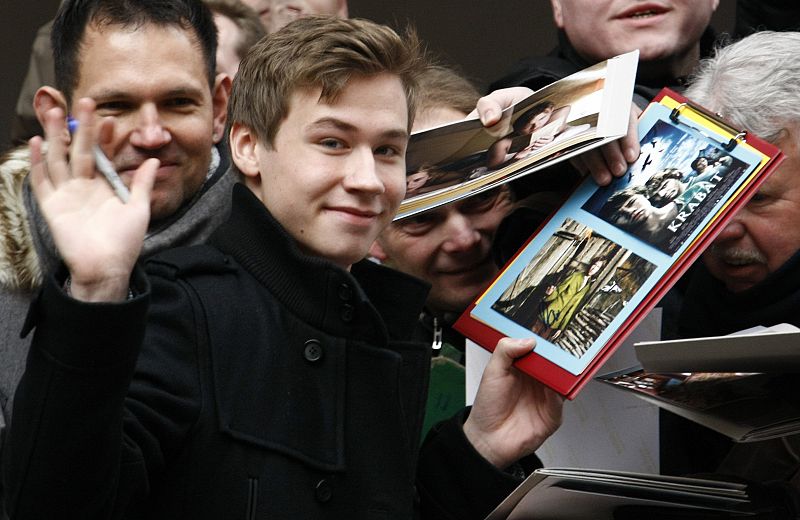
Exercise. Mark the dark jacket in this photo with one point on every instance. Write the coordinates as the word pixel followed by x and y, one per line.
pixel 269 384
pixel 700 305
pixel 539 71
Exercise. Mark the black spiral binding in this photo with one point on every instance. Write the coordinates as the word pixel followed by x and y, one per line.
pixel 739 135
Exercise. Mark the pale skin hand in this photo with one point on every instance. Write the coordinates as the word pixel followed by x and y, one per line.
pixel 97 235
pixel 513 413
pixel 603 163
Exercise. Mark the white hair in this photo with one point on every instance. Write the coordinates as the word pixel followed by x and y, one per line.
pixel 754 83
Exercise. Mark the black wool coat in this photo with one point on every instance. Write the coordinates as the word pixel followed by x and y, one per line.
pixel 266 384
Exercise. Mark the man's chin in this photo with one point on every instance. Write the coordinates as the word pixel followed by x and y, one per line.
pixel 453 300
pixel 737 286
pixel 160 211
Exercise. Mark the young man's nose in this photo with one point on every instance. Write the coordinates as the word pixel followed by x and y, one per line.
pixel 363 172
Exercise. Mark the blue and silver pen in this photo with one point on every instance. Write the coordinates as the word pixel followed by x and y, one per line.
pixel 104 165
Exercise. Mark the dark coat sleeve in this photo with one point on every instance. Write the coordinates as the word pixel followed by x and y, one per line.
pixel 455 482
pixel 95 417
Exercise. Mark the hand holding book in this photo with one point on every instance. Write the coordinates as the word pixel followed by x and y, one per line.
pixel 512 414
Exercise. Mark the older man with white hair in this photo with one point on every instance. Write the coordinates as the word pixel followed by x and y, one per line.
pixel 751 274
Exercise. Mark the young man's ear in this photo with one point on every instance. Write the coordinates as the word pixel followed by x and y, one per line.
pixel 558 17
pixel 376 251
pixel 244 154
pixel 219 100
pixel 45 99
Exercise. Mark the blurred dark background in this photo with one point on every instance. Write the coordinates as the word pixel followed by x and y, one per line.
pixel 483 38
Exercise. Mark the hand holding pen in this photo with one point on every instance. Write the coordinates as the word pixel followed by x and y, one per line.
pixel 98 236
pixel 104 165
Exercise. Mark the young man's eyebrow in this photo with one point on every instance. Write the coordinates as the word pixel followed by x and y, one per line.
pixel 332 122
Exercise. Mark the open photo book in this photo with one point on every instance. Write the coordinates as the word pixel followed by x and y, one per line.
pixel 570 116
pixel 597 266
pixel 742 385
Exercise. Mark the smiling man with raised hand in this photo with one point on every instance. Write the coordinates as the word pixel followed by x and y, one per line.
pixel 150 67
pixel 269 373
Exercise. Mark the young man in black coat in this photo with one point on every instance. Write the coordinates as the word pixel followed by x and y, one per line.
pixel 269 373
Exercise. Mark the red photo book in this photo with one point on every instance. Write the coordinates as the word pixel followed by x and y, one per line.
pixel 598 265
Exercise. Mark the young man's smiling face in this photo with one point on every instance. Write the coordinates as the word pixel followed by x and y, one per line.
pixel 335 173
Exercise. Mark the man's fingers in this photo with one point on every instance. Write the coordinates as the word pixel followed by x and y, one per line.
pixel 618 154
pixel 490 106
pixel 81 152
pixel 509 349
pixel 105 131
pixel 54 161
pixel 614 158
pixel 142 182
pixel 40 182
pixel 594 164
pixel 630 143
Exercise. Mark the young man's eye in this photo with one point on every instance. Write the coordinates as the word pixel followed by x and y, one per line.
pixel 333 144
pixel 387 151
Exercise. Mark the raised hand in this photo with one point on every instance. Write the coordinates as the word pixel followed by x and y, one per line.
pixel 490 109
pixel 603 163
pixel 612 159
pixel 97 235
pixel 513 414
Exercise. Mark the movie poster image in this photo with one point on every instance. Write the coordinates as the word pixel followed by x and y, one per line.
pixel 573 287
pixel 678 178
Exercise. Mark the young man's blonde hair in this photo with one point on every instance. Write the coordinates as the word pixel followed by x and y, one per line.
pixel 318 52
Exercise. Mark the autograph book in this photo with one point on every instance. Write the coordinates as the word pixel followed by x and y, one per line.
pixel 760 349
pixel 568 117
pixel 598 265
pixel 564 493
pixel 741 385
pixel 741 405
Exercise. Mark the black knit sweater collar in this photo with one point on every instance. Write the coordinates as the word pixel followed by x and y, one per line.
pixel 710 309
pixel 370 302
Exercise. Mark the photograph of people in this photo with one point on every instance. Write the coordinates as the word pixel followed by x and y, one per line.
pixel 427 180
pixel 649 211
pixel 665 205
pixel 576 283
pixel 415 181
pixel 632 210
pixel 706 166
pixel 532 130
pixel 563 299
